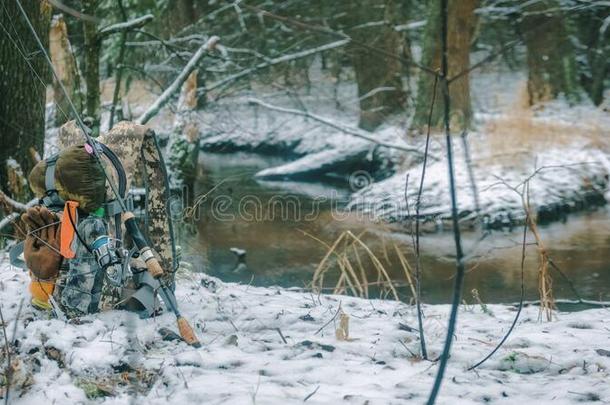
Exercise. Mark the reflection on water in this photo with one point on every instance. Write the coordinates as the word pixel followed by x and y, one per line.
pixel 270 222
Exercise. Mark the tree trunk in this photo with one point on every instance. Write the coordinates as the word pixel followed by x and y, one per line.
pixel 460 25
pixel 380 87
pixel 595 43
pixel 183 143
pixel 66 69
pixel 22 110
pixel 550 55
pixel 92 65
pixel 180 14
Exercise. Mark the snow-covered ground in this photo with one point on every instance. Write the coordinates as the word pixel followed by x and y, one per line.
pixel 271 346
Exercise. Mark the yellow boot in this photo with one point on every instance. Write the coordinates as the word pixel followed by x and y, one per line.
pixel 41 291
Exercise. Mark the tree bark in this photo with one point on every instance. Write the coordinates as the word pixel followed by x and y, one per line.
pixel 550 55
pixel 65 66
pixel 22 110
pixel 379 78
pixel 595 42
pixel 460 25
pixel 92 65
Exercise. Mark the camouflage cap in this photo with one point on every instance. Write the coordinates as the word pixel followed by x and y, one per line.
pixel 78 177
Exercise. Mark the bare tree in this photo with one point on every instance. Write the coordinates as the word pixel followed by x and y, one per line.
pixel 551 58
pixel 380 87
pixel 461 24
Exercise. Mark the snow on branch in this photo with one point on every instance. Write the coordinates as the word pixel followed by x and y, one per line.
pixel 19 207
pixel 343 128
pixel 126 26
pixel 190 66
pixel 410 26
pixel 275 61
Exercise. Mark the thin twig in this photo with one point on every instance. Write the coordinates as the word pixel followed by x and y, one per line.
pixel 418 265
pixel 512 326
pixel 126 25
pixel 331 319
pixel 279 331
pixel 566 278
pixel 311 394
pixel 7 348
pixel 328 31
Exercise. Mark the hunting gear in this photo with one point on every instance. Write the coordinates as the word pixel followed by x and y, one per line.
pixel 79 260
pixel 160 231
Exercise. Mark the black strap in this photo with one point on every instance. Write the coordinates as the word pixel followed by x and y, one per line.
pixel 51 198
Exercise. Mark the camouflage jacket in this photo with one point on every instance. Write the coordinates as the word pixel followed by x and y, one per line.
pixel 81 279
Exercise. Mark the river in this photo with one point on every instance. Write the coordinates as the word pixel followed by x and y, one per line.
pixel 277 225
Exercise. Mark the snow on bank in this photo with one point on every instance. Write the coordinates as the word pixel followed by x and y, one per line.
pixel 568 178
pixel 245 359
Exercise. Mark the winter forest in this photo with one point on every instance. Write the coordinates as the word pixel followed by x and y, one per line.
pixel 288 201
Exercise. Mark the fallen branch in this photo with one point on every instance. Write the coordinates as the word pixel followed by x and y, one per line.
pixel 190 66
pixel 275 61
pixel 125 26
pixel 345 129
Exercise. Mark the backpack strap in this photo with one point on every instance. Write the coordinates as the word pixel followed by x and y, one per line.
pixel 51 198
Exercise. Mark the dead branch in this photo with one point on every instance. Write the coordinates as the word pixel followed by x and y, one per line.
pixel 190 66
pixel 345 129
pixel 125 26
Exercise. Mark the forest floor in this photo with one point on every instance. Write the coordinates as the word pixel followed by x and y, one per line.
pixel 278 346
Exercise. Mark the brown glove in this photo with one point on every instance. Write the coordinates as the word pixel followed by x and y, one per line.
pixel 41 247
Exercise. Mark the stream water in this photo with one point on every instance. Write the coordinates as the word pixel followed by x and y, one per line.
pixel 282 227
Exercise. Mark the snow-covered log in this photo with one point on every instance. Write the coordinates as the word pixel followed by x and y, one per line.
pixel 190 66
pixel 328 161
